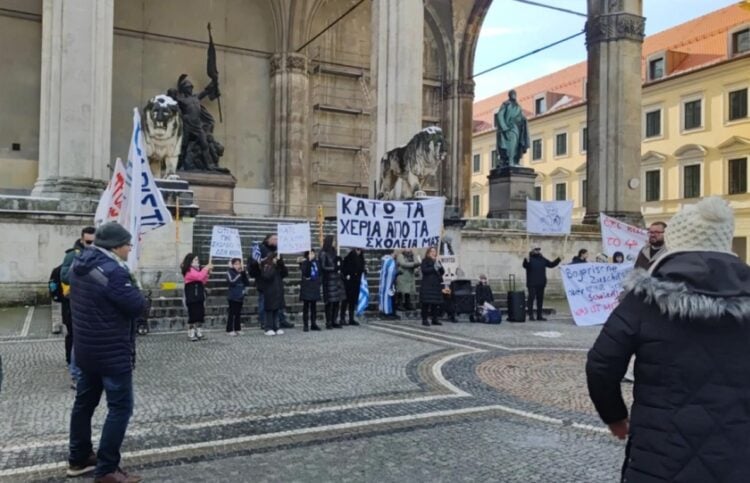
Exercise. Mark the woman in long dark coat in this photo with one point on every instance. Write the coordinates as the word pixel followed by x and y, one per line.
pixel 352 270
pixel 431 291
pixel 332 287
pixel 272 273
pixel 309 292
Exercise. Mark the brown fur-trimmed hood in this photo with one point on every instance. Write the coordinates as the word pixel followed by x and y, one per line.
pixel 695 286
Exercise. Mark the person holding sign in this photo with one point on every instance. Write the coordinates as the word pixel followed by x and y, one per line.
pixel 272 275
pixel 237 279
pixel 536 266
pixel 309 292
pixel 352 270
pixel 689 322
pixel 431 291
pixel 196 279
pixel 330 264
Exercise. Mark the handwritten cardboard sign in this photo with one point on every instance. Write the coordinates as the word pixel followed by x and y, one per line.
pixel 592 289
pixel 293 237
pixel 225 242
pixel 621 237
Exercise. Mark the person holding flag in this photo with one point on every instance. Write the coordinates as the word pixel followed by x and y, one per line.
pixel 387 286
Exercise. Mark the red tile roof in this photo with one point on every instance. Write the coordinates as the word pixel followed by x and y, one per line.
pixel 704 40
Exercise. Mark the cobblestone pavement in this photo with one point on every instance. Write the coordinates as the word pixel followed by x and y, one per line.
pixel 385 402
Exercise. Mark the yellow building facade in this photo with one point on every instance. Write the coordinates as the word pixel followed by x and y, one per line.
pixel 695 135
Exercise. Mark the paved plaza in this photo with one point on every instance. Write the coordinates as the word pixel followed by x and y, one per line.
pixel 388 401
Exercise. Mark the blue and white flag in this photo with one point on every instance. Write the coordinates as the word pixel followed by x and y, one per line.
pixel 364 296
pixel 387 278
pixel 255 253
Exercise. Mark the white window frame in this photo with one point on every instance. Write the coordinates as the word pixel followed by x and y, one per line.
pixel 567 143
pixel 692 162
pixel 657 56
pixel 644 171
pixel 583 127
pixel 730 36
pixel 647 110
pixel 473 157
pixel 555 184
pixel 540 138
pixel 727 108
pixel 726 157
pixel 544 106
pixel 690 98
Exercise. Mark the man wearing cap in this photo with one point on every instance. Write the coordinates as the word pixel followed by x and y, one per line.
pixel 105 302
pixel 536 266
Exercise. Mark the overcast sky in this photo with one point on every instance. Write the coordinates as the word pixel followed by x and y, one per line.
pixel 512 28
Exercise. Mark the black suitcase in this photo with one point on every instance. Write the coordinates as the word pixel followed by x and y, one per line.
pixel 516 302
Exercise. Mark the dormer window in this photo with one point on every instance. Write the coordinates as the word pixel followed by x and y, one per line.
pixel 540 105
pixel 656 68
pixel 741 41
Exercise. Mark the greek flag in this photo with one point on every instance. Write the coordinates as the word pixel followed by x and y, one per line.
pixel 256 253
pixel 364 296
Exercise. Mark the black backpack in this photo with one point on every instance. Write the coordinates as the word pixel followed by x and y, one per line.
pixel 55 285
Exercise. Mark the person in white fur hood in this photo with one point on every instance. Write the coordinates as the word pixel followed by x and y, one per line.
pixel 687 320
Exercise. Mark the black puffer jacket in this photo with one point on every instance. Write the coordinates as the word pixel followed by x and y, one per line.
pixel 688 326
pixel 431 290
pixel 536 269
pixel 333 288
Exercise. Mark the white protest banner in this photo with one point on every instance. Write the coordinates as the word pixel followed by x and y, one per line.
pixel 592 289
pixel 225 242
pixel 293 237
pixel 549 217
pixel 385 225
pixel 110 202
pixel 143 207
pixel 621 237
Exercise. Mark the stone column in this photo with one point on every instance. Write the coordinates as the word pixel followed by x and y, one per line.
pixel 396 77
pixel 614 36
pixel 76 98
pixel 456 178
pixel 290 132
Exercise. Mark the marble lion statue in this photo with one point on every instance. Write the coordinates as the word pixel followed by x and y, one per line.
pixel 162 132
pixel 405 168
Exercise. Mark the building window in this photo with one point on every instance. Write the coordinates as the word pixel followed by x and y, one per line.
pixel 653 185
pixel 477 163
pixel 653 123
pixel 739 247
pixel 692 114
pixel 738 104
pixel 561 191
pixel 584 139
pixel 475 205
pixel 584 193
pixel 691 182
pixel 561 144
pixel 537 193
pixel 536 149
pixel 540 105
pixel 741 41
pixel 656 69
pixel 737 176
pixel 493 156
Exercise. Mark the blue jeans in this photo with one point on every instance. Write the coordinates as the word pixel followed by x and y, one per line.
pixel 75 372
pixel 119 390
pixel 262 311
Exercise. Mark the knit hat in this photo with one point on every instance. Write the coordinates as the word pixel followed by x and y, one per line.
pixel 705 226
pixel 111 235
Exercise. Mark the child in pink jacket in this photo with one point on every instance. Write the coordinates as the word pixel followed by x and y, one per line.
pixel 195 293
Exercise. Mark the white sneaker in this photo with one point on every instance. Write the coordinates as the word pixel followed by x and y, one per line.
pixel 233 333
pixel 191 335
pixel 198 333
pixel 270 332
pixel 279 332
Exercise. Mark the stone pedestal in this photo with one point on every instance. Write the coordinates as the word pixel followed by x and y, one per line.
pixel 76 98
pixel 614 36
pixel 510 187
pixel 173 190
pixel 213 192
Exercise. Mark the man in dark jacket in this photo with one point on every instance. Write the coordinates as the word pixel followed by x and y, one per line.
pixel 688 322
pixel 267 247
pixel 536 280
pixel 655 248
pixel 87 238
pixel 104 301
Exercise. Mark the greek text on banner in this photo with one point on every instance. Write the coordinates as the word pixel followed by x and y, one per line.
pixel 593 289
pixel 385 225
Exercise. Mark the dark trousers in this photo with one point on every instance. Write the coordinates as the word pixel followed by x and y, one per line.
pixel 332 311
pixel 347 306
pixel 271 320
pixel 309 312
pixel 430 310
pixel 67 320
pixel 234 323
pixel 535 293
pixel 119 391
pixel 262 310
